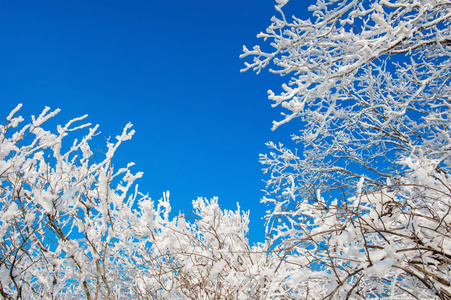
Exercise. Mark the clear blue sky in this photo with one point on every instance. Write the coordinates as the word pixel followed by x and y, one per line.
pixel 171 68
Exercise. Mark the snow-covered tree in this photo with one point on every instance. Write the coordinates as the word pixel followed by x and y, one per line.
pixel 205 256
pixel 363 210
pixel 74 227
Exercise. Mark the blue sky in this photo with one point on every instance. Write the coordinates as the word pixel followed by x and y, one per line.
pixel 171 68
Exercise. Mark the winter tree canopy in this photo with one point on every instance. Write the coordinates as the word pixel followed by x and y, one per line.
pixel 74 227
pixel 363 210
